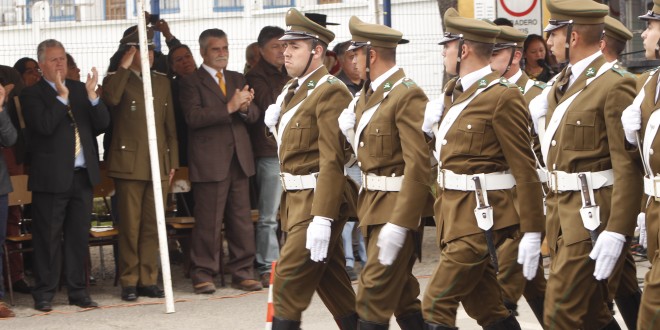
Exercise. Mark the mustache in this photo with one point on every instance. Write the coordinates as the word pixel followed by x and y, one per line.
pixel 221 58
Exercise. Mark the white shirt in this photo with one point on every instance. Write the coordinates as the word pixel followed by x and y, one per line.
pixel 213 72
pixel 516 77
pixel 302 79
pixel 580 66
pixel 469 79
pixel 381 79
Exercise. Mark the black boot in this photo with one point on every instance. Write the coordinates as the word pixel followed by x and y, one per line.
pixel 511 306
pixel 433 326
pixel 509 323
pixel 629 307
pixel 282 324
pixel 613 325
pixel 412 321
pixel 349 322
pixel 536 305
pixel 366 325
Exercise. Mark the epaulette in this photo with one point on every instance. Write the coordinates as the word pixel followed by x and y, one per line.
pixel 408 82
pixel 159 73
pixel 331 80
pixel 505 82
pixel 622 71
pixel 539 84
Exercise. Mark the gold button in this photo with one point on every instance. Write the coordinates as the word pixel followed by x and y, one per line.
pixel 361 144
pixel 393 174
pixel 651 151
pixel 123 147
pixel 377 130
pixel 297 124
pixel 360 164
pixel 554 143
pixel 444 142
pixel 469 126
pixel 579 122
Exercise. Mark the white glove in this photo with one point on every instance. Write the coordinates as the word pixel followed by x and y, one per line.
pixel 390 241
pixel 538 107
pixel 432 115
pixel 529 252
pixel 641 223
pixel 346 121
pixel 318 238
pixel 631 118
pixel 272 116
pixel 606 252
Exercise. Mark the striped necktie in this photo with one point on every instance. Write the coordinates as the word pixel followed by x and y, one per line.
pixel 76 133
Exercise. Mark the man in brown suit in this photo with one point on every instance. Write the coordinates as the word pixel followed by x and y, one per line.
pixel 217 104
pixel 641 120
pixel 130 167
pixel 317 198
pixel 506 57
pixel 595 189
pixel 483 151
pixel 383 128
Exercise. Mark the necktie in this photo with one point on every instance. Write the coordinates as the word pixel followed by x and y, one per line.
pixel 221 82
pixel 76 134
pixel 562 84
pixel 458 90
pixel 368 93
pixel 290 92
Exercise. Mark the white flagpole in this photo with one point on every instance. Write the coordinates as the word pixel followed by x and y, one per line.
pixel 153 155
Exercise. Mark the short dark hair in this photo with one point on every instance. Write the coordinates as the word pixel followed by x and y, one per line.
pixel 268 33
pixel 503 21
pixel 21 64
pixel 481 49
pixel 590 34
pixel 387 54
pixel 341 48
pixel 70 61
pixel 616 46
pixel 210 33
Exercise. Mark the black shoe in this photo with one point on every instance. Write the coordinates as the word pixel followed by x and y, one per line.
pixel 21 286
pixel 129 293
pixel 43 306
pixel 151 291
pixel 84 302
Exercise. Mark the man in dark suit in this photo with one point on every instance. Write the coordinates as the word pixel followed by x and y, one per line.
pixel 217 104
pixel 62 116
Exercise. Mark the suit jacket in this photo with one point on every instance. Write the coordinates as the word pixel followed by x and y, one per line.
pixel 267 82
pixel 392 144
pixel 52 139
pixel 214 135
pixel 128 157
pixel 590 137
pixel 8 137
pixel 312 142
pixel 490 135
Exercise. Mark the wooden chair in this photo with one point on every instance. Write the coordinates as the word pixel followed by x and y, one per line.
pixel 105 235
pixel 20 196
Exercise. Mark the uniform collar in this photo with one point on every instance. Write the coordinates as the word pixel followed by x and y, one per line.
pixel 516 77
pixel 378 81
pixel 303 79
pixel 581 65
pixel 211 70
pixel 469 79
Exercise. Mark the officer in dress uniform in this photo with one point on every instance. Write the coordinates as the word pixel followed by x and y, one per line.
pixel 622 284
pixel 506 57
pixel 594 185
pixel 482 145
pixel 642 120
pixel 317 198
pixel 382 125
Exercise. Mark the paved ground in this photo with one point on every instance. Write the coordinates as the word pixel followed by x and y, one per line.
pixel 226 309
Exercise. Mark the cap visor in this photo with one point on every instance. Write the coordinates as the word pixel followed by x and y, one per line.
pixel 446 40
pixel 403 41
pixel 354 47
pixel 551 27
pixel 294 37
pixel 330 23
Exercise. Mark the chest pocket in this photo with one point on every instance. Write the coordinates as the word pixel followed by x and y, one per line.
pixel 298 133
pixel 470 136
pixel 580 131
pixel 380 139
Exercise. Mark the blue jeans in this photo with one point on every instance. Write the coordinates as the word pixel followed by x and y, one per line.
pixel 4 209
pixel 347 234
pixel 270 194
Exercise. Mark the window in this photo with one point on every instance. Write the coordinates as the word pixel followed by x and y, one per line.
pixel 115 9
pixel 227 5
pixel 60 10
pixel 169 6
pixel 323 2
pixel 279 3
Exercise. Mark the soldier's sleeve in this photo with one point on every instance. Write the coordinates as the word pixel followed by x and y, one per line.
pixel 412 198
pixel 628 187
pixel 114 86
pixel 331 181
pixel 510 123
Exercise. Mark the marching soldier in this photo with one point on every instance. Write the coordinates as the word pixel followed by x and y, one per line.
pixel 506 57
pixel 483 151
pixel 317 196
pixel 642 120
pixel 594 186
pixel 622 284
pixel 382 125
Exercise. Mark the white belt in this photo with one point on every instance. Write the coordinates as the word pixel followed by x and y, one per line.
pixel 381 183
pixel 562 181
pixel 298 182
pixel 652 187
pixel 543 175
pixel 448 180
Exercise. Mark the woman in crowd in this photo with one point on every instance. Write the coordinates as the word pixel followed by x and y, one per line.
pixel 29 70
pixel 537 58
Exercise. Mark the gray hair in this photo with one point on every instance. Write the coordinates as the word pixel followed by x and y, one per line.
pixel 48 43
pixel 208 34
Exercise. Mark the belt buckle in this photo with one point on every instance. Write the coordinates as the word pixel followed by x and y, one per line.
pixel 656 181
pixel 554 182
pixel 282 181
pixel 442 182
pixel 364 181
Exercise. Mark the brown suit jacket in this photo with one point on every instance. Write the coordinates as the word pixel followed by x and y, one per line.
pixel 490 135
pixel 590 138
pixel 312 142
pixel 392 143
pixel 214 135
pixel 129 148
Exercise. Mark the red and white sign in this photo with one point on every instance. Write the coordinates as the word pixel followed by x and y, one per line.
pixel 525 14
